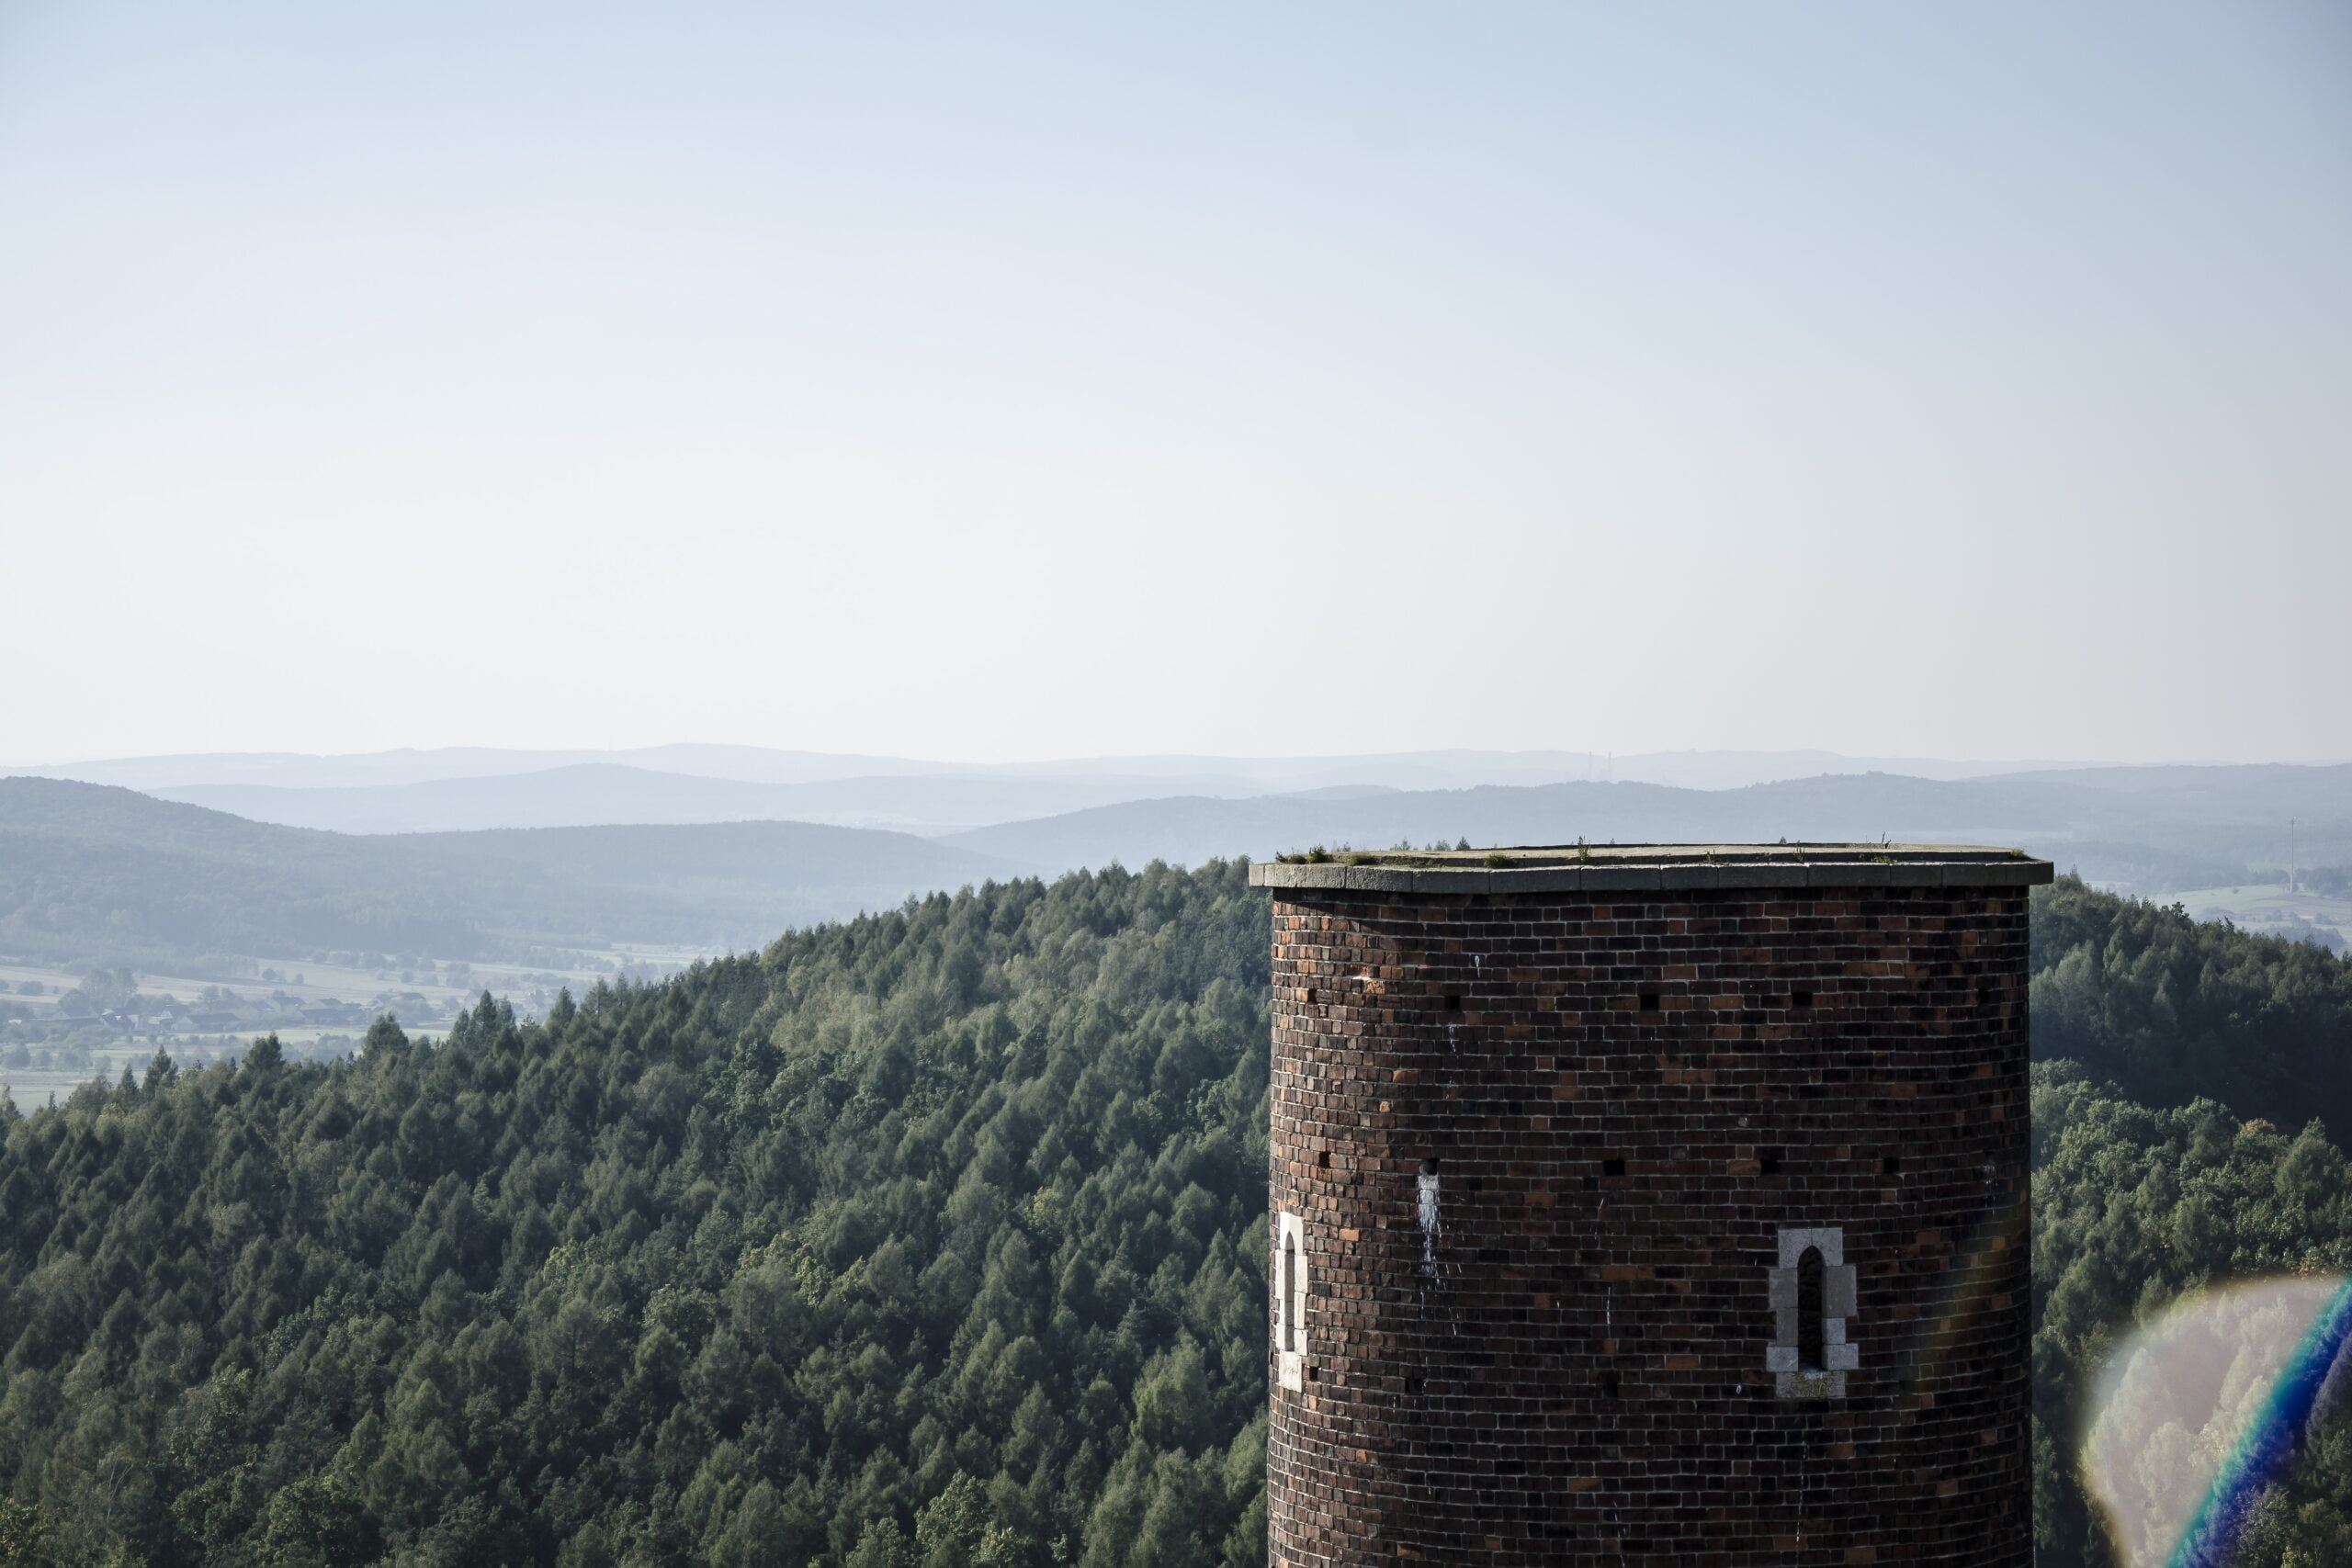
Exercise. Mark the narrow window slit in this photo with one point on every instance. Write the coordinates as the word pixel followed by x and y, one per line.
pixel 1290 1292
pixel 1810 1353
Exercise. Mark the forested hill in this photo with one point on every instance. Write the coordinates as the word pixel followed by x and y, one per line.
pixel 935 1237
pixel 2171 1009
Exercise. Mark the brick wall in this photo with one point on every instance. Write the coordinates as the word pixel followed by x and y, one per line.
pixel 1628 1099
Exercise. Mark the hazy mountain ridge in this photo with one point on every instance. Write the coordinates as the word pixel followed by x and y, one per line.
pixel 94 873
pixel 2146 829
pixel 2129 837
pixel 90 872
pixel 595 794
pixel 303 770
pixel 1449 768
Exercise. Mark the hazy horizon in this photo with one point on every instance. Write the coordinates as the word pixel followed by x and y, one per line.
pixel 1055 383
pixel 1599 759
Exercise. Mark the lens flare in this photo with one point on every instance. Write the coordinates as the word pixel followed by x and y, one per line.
pixel 2203 1408
pixel 1987 1275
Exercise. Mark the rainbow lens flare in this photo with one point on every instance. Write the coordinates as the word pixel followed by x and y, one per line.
pixel 2206 1406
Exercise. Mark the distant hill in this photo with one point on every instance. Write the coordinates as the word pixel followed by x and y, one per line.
pixel 2113 825
pixel 88 871
pixel 92 872
pixel 2218 793
pixel 1173 773
pixel 591 794
pixel 300 769
pixel 2146 829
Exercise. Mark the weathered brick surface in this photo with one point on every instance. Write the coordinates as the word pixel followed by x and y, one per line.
pixel 1582 1379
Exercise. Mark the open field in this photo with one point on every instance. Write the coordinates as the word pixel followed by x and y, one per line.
pixel 424 996
pixel 2269 907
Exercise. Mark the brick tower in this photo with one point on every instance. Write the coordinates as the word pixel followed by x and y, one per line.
pixel 1650 1205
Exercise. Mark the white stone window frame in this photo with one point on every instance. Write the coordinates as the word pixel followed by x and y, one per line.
pixel 1790 1379
pixel 1291 1277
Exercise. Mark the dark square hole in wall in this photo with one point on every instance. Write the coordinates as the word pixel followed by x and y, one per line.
pixel 1984 996
pixel 1800 999
pixel 1649 1001
pixel 1612 1167
pixel 1311 996
pixel 1453 1001
pixel 1477 1184
pixel 1323 1159
pixel 1769 1161
pixel 1890 1166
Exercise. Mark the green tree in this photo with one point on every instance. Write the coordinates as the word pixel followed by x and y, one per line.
pixel 24 1536
pixel 311 1522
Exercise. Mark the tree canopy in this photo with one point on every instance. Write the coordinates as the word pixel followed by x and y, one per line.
pixel 2171 1009
pixel 931 1238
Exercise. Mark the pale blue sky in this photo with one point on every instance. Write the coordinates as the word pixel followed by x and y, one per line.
pixel 1011 381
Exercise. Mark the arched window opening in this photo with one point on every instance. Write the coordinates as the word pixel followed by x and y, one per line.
pixel 1811 1293
pixel 1811 1355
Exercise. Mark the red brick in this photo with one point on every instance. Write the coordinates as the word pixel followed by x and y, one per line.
pixel 1583 1382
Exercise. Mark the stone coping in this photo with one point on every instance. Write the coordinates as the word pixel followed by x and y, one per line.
pixel 1656 868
